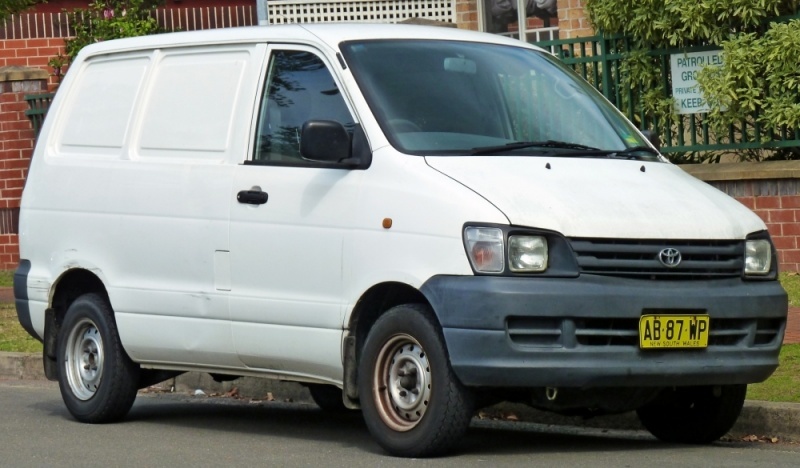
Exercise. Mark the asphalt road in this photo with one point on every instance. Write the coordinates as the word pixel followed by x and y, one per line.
pixel 187 431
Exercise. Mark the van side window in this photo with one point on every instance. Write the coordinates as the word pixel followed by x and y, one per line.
pixel 299 88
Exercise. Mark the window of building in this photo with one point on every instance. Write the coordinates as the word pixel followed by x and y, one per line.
pixel 528 20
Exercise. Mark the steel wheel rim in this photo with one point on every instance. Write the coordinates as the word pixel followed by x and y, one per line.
pixel 84 359
pixel 402 382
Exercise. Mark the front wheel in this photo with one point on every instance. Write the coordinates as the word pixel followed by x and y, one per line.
pixel 693 415
pixel 412 402
pixel 98 380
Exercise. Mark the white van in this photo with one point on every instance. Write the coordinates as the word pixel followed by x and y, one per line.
pixel 412 221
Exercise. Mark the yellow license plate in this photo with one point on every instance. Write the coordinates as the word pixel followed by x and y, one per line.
pixel 673 331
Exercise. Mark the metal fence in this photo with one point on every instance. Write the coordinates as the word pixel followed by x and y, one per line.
pixel 599 60
pixel 38 103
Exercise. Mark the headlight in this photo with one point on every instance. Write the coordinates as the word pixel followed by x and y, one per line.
pixel 527 254
pixel 485 249
pixel 757 257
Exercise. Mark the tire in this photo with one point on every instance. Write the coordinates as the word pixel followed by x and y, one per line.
pixel 328 398
pixel 693 415
pixel 98 380
pixel 413 404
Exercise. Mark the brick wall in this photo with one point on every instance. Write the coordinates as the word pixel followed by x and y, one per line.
pixel 772 191
pixel 16 147
pixel 777 202
pixel 33 53
pixel 572 19
pixel 467 14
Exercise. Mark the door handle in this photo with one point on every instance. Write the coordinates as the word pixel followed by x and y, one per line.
pixel 254 196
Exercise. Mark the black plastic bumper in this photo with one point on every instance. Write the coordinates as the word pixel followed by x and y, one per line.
pixel 583 332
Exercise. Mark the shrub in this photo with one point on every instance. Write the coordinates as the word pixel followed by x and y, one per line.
pixel 111 19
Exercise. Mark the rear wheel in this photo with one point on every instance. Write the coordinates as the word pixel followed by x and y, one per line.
pixel 328 398
pixel 98 380
pixel 693 415
pixel 412 402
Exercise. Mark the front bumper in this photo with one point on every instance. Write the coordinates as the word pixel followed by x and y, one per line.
pixel 583 332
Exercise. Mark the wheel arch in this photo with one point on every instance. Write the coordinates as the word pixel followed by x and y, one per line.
pixel 377 300
pixel 69 286
pixel 370 306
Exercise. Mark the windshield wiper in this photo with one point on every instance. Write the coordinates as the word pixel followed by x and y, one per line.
pixel 484 150
pixel 629 153
pixel 581 150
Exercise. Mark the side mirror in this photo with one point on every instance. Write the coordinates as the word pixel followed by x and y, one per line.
pixel 653 138
pixel 324 141
pixel 328 141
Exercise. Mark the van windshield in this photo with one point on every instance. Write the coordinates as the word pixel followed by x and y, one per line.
pixel 446 97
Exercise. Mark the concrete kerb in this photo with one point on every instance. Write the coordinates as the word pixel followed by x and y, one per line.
pixel 760 419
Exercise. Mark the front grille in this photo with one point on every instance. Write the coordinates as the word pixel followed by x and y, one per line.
pixel 551 332
pixel 640 258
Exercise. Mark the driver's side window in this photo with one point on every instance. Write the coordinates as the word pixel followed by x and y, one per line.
pixel 299 88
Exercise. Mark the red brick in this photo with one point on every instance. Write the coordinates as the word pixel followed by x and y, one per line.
pixel 26 52
pixel 6 53
pixel 790 229
pixel 9 135
pixel 10 97
pixel 39 62
pixel 48 51
pixel 21 163
pixel 19 144
pixel 14 183
pixel 790 256
pixel 14 43
pixel 777 229
pixel 10 116
pixel 11 193
pixel 16 106
pixel 781 216
pixel 8 174
pixel 785 243
pixel 8 155
pixel 763 214
pixel 10 204
pixel 749 202
pixel 768 202
pixel 37 43
pixel 16 61
pixel 18 125
pixel 790 201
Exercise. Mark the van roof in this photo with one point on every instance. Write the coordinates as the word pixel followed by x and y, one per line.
pixel 330 34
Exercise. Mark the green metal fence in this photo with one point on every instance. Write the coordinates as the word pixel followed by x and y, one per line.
pixel 599 60
pixel 38 103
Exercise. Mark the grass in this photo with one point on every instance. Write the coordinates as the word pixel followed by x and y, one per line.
pixel 783 386
pixel 12 336
pixel 6 278
pixel 791 283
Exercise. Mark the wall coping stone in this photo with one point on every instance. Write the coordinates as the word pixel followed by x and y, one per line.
pixel 19 73
pixel 744 171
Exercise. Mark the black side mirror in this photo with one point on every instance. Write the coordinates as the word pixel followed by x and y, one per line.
pixel 328 141
pixel 653 138
pixel 324 141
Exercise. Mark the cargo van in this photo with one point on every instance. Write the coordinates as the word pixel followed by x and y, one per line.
pixel 411 221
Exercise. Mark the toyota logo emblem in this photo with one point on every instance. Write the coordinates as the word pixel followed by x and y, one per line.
pixel 670 257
